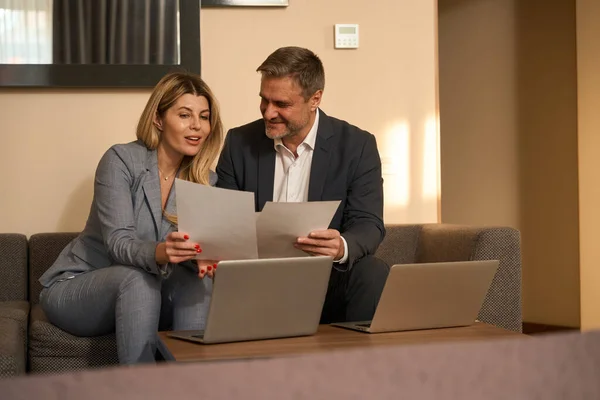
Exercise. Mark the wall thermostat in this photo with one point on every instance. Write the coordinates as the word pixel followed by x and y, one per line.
pixel 346 36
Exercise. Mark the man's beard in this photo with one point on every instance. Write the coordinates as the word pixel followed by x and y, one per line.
pixel 290 130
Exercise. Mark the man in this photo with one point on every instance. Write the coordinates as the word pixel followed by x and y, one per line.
pixel 298 153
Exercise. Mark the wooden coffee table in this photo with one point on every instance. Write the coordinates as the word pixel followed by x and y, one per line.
pixel 327 338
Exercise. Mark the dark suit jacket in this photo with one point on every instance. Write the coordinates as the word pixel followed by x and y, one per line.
pixel 345 166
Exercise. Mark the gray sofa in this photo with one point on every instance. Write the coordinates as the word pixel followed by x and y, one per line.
pixel 45 348
pixel 502 307
pixel 14 308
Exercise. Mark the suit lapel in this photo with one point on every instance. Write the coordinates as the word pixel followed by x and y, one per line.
pixel 152 190
pixel 170 208
pixel 320 160
pixel 266 171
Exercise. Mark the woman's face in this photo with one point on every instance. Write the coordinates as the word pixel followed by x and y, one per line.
pixel 185 126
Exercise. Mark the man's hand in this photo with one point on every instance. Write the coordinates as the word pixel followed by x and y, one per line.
pixel 322 243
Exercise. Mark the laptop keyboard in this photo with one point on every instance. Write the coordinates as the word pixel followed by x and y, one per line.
pixel 198 335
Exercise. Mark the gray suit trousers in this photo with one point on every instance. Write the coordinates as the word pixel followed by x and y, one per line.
pixel 130 302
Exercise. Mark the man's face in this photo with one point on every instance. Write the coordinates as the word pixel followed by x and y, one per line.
pixel 284 109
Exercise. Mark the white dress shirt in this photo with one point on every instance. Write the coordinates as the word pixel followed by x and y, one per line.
pixel 292 174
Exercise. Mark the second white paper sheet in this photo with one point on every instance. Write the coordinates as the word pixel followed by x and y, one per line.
pixel 279 224
pixel 223 221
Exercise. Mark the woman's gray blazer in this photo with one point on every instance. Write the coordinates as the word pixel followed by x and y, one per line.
pixel 126 222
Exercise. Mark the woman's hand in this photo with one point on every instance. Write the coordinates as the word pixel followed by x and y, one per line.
pixel 176 249
pixel 207 268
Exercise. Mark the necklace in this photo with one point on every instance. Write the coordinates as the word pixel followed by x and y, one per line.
pixel 165 177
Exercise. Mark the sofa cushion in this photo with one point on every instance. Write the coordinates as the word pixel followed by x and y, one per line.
pixel 13 337
pixel 44 249
pixel 13 267
pixel 445 243
pixel 400 244
pixel 51 349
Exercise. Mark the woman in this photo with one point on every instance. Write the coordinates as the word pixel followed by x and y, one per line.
pixel 130 269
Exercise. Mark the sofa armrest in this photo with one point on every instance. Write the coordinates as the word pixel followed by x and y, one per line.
pixel 443 242
pixel 503 304
pixel 14 316
pixel 406 244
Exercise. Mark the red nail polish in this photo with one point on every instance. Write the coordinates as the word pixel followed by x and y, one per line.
pixel 198 251
pixel 186 237
pixel 215 266
pixel 202 271
pixel 197 246
pixel 209 268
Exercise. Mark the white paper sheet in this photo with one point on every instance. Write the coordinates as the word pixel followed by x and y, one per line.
pixel 223 221
pixel 280 224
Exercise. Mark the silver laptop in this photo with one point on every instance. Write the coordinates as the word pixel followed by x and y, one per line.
pixel 263 299
pixel 430 295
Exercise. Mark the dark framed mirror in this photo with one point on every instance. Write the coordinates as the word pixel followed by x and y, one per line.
pixel 244 3
pixel 97 43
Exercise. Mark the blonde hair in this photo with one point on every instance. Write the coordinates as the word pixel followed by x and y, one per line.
pixel 165 94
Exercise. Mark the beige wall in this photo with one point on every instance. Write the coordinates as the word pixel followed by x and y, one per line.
pixel 547 106
pixel 478 116
pixel 588 66
pixel 50 145
pixel 508 121
pixel 52 139
pixel 387 86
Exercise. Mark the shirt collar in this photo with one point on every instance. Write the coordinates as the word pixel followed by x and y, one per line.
pixel 309 140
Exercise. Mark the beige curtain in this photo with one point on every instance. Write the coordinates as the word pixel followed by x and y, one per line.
pixel 26 31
